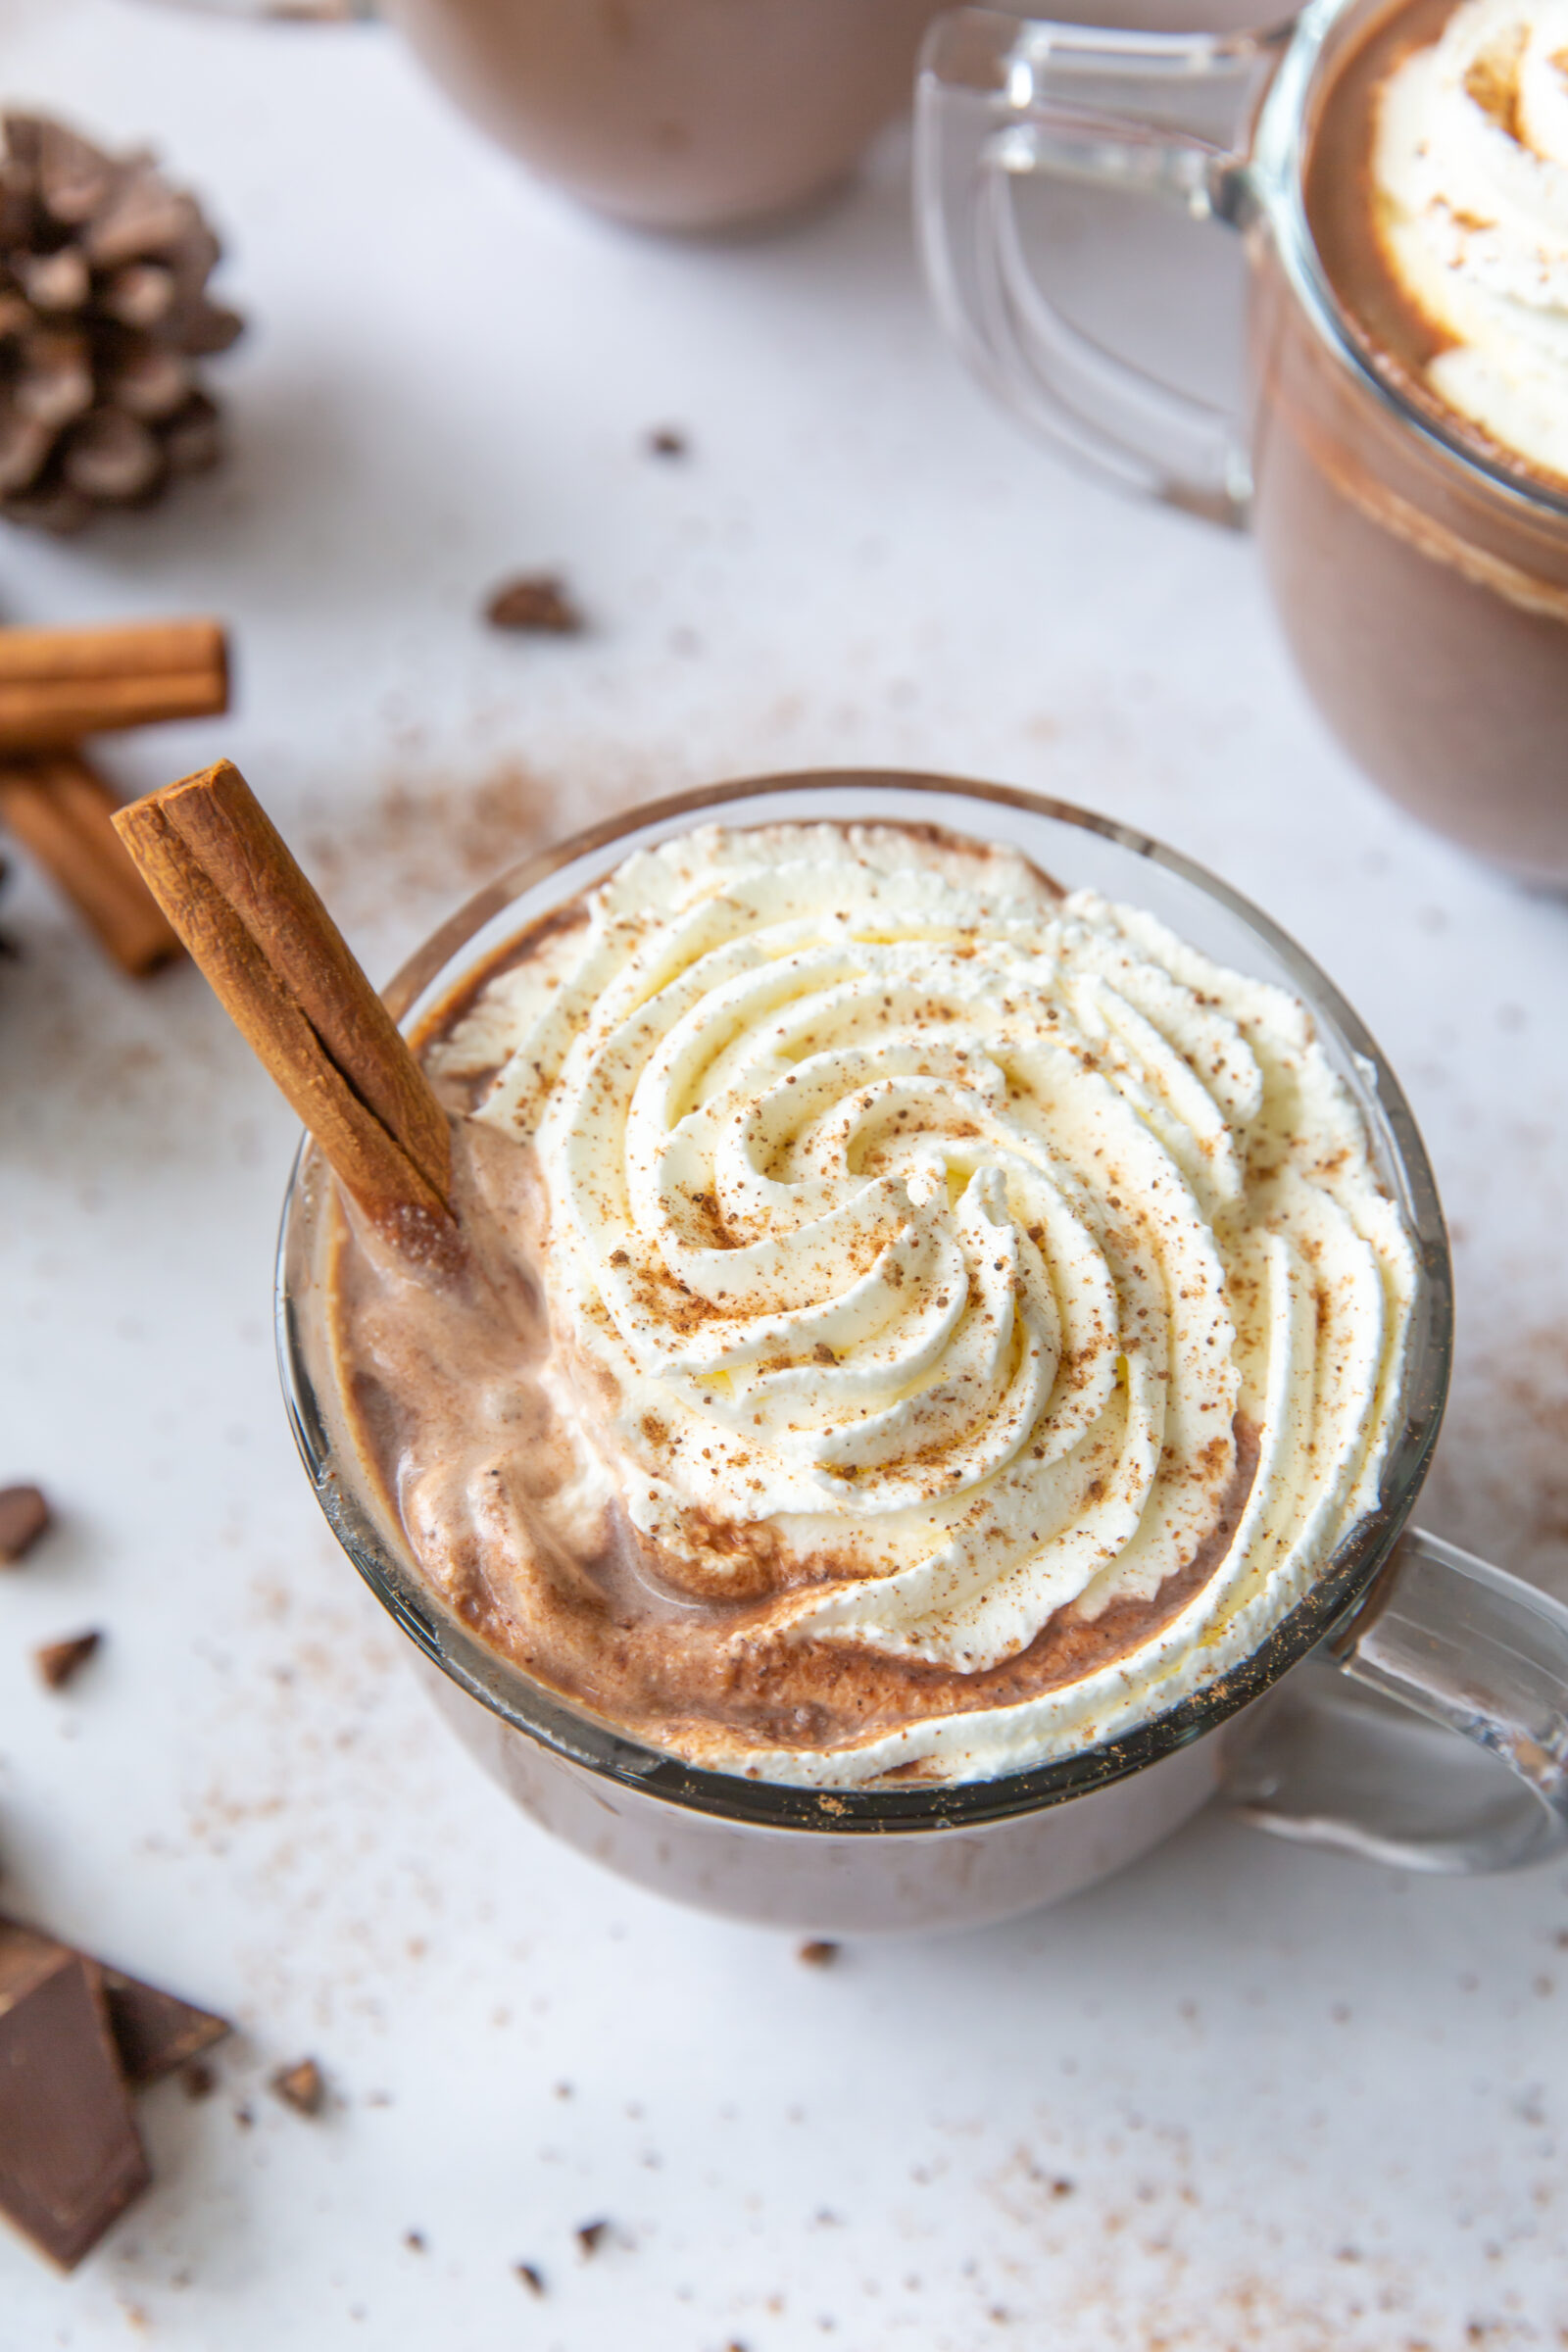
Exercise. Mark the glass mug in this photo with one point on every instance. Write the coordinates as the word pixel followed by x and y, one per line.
pixel 1297 1737
pixel 1423 591
pixel 669 113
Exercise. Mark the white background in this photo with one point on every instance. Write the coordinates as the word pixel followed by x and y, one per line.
pixel 1300 2104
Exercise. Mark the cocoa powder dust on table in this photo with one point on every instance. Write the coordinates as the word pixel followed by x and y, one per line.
pixel 425 841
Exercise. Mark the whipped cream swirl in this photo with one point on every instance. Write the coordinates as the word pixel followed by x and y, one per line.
pixel 933 1261
pixel 1470 167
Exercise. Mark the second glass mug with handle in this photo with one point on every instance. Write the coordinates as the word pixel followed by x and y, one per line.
pixel 1297 1735
pixel 1423 588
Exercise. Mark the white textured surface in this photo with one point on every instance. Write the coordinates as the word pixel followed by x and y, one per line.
pixel 1300 2105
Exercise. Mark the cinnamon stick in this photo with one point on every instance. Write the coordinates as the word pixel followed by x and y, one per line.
pixel 57 685
pixel 62 811
pixel 285 977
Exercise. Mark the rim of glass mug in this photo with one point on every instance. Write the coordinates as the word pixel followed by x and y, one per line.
pixel 348 1492
pixel 1274 173
pixel 1003 97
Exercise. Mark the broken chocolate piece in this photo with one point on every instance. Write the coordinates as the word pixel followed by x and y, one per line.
pixel 537 601
pixel 58 1661
pixel 155 2030
pixel 24 1516
pixel 70 2156
pixel 301 2087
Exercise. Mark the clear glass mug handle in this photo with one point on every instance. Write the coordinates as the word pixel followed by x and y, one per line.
pixel 1458 1646
pixel 1000 99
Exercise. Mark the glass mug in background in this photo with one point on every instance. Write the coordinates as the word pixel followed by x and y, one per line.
pixel 1423 591
pixel 1304 1745
pixel 669 113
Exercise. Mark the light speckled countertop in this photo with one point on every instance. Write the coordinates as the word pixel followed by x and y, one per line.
pixel 1241 2096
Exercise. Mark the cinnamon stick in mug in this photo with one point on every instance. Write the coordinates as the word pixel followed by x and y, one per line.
pixel 57 685
pixel 62 811
pixel 286 978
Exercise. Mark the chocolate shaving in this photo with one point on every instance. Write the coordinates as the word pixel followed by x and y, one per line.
pixel 25 1516
pixel 539 601
pixel 155 2030
pixel 302 2087
pixel 60 1661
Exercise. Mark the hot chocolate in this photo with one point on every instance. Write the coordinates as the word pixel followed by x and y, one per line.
pixel 1417 542
pixel 924 1323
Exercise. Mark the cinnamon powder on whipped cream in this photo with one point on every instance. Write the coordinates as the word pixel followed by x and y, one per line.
pixel 927 1323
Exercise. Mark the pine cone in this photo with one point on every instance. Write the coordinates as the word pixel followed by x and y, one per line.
pixel 103 314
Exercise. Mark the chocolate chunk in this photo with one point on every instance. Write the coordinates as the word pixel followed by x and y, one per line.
pixel 69 2157
pixel 301 2087
pixel 668 441
pixel 537 601
pixel 818 1954
pixel 533 2279
pixel 59 1662
pixel 154 2030
pixel 591 2235
pixel 24 1516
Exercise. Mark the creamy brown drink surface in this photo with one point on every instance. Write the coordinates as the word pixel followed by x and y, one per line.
pixel 925 1323
pixel 1426 599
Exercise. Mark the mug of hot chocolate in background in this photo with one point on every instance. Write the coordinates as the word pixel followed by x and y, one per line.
pixel 1419 569
pixel 1300 1734
pixel 682 114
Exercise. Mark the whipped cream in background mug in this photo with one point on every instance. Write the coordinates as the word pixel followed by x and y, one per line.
pixel 965 1315
pixel 1470 172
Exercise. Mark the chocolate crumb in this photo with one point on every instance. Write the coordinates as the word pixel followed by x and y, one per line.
pixel 533 2279
pixel 537 601
pixel 155 2031
pixel 591 2235
pixel 818 1954
pixel 301 2087
pixel 59 1662
pixel 199 2080
pixel 244 2117
pixel 1063 2189
pixel 413 2239
pixel 24 1516
pixel 668 441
